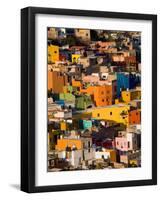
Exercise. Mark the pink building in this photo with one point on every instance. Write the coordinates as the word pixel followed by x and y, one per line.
pixel 106 45
pixel 122 144
pixel 127 142
pixel 95 80
pixel 90 79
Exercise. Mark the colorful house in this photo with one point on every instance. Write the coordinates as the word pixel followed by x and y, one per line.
pixel 76 151
pixel 134 117
pixel 130 95
pixel 56 81
pixel 75 58
pixel 117 113
pixel 127 142
pixel 67 97
pixel 83 102
pixel 70 88
pixel 65 125
pixel 85 124
pixel 126 81
pixel 53 53
pixel 76 84
pixel 112 154
pixel 102 95
pixel 73 143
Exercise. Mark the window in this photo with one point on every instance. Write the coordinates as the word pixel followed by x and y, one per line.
pixel 89 144
pixel 110 113
pixel 103 100
pixel 102 92
pixel 128 144
pixel 55 51
pixel 98 115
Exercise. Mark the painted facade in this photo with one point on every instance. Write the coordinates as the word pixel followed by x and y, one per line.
pixel 53 53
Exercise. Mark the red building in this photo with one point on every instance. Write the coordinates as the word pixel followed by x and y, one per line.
pixel 134 117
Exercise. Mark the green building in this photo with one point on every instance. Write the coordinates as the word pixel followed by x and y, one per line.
pixel 67 97
pixel 83 102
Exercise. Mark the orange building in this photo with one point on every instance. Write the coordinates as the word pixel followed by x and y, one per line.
pixel 119 57
pixel 102 95
pixel 63 143
pixel 76 84
pixel 56 81
pixel 134 117
pixel 112 153
pixel 78 143
pixel 130 59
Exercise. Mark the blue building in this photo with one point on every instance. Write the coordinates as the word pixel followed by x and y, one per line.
pixel 85 124
pixel 60 102
pixel 126 81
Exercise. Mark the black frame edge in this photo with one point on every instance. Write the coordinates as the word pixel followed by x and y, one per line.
pixel 27 103
pixel 154 99
pixel 24 100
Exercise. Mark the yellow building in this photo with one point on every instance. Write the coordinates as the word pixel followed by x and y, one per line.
pixel 75 58
pixel 53 53
pixel 134 94
pixel 63 126
pixel 117 101
pixel 117 113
